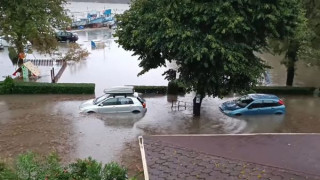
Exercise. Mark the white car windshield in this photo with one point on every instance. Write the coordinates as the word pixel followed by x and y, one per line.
pixel 100 99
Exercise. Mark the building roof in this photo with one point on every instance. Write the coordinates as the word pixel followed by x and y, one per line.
pixel 288 156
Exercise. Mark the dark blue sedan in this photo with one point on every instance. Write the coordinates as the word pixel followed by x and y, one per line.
pixel 254 104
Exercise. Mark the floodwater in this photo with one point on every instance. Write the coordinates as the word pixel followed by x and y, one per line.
pixel 46 123
pixel 111 66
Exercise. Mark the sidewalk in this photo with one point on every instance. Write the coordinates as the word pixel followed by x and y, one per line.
pixel 225 157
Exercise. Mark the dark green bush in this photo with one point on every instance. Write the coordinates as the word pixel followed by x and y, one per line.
pixel 113 171
pixel 85 169
pixel 285 90
pixel 30 166
pixel 6 87
pixel 53 88
pixel 11 87
pixel 173 88
pixel 155 89
pixel 6 172
pixel 151 89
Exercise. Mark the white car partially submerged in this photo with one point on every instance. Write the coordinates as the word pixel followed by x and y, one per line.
pixel 115 100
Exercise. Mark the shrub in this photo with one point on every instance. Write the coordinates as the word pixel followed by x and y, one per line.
pixel 30 166
pixel 85 169
pixel 285 90
pixel 6 87
pixel 173 87
pixel 10 87
pixel 151 89
pixel 113 171
pixel 155 89
pixel 53 88
pixel 6 172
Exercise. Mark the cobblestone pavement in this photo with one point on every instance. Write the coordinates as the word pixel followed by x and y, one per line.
pixel 167 161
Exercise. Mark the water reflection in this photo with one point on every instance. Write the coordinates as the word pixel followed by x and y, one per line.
pixel 122 120
pixel 262 123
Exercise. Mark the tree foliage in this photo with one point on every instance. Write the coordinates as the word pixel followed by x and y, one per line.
pixel 212 42
pixel 304 42
pixel 32 20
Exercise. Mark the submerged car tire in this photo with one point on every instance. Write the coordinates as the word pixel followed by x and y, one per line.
pixel 238 114
pixel 278 113
pixel 91 112
pixel 135 111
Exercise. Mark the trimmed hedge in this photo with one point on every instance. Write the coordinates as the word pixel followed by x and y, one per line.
pixel 155 89
pixel 285 90
pixel 261 89
pixel 48 88
pixel 151 89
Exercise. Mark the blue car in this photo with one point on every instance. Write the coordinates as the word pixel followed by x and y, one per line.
pixel 254 104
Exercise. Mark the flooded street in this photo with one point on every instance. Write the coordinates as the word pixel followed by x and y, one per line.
pixel 46 123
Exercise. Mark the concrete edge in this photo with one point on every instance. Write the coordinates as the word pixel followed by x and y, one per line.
pixel 256 134
pixel 143 157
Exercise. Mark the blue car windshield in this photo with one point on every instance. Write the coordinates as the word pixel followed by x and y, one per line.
pixel 243 101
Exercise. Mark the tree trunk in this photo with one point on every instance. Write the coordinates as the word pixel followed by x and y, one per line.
pixel 290 74
pixel 197 100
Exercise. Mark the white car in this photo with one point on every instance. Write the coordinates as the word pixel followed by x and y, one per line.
pixel 118 100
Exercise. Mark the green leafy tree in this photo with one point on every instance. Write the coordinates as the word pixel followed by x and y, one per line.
pixel 212 42
pixel 34 21
pixel 303 43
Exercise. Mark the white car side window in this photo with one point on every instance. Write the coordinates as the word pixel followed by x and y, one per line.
pixel 124 101
pixel 110 102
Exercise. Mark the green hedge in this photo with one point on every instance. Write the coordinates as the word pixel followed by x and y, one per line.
pixel 48 88
pixel 285 90
pixel 151 89
pixel 155 89
pixel 261 89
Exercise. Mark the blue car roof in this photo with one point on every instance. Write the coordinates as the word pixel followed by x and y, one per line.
pixel 263 96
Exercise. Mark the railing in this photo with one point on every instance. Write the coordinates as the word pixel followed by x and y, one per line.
pixel 44 62
pixel 55 78
pixel 178 104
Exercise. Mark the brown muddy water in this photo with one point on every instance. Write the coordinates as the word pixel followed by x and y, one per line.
pixel 46 123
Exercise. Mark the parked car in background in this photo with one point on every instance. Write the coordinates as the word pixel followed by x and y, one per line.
pixel 254 104
pixel 67 36
pixel 1 44
pixel 115 100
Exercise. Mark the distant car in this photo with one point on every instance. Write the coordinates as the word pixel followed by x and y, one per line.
pixel 1 45
pixel 67 36
pixel 115 101
pixel 254 104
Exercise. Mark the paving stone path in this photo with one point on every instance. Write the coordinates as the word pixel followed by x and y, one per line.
pixel 167 161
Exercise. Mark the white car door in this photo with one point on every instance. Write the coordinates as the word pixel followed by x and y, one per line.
pixel 108 106
pixel 125 104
